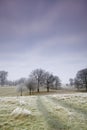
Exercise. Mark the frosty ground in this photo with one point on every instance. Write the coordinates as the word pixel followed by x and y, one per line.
pixel 47 112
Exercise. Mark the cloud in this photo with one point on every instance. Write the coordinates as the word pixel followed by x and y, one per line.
pixel 28 19
pixel 43 34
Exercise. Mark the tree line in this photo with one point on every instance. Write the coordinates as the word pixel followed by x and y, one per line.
pixel 40 78
pixel 37 79
pixel 80 81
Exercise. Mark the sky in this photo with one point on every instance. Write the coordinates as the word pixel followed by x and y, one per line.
pixel 47 34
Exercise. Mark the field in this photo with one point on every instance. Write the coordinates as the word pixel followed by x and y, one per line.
pixel 11 91
pixel 46 112
pixel 8 91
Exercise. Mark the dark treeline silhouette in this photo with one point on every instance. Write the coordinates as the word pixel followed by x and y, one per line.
pixel 81 79
pixel 3 77
pixel 40 79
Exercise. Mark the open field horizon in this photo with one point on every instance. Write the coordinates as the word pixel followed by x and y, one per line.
pixel 43 46
pixel 12 91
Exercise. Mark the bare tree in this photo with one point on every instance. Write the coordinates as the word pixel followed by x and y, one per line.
pixel 71 81
pixel 21 88
pixel 30 85
pixel 38 76
pixel 20 81
pixel 81 76
pixel 49 80
pixel 3 77
pixel 57 82
pixel 77 83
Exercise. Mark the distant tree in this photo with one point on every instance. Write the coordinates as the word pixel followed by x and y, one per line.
pixel 71 81
pixel 21 88
pixel 67 84
pixel 77 83
pixel 30 85
pixel 9 83
pixel 20 81
pixel 3 77
pixel 49 80
pixel 57 82
pixel 81 76
pixel 38 76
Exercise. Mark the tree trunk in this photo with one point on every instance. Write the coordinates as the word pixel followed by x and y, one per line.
pixel 86 87
pixel 56 86
pixel 86 82
pixel 30 92
pixel 38 87
pixel 38 90
pixel 21 93
pixel 48 88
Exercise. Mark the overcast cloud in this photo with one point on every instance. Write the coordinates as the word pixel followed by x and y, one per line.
pixel 47 34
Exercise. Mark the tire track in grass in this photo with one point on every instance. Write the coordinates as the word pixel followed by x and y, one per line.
pixel 73 119
pixel 69 106
pixel 52 121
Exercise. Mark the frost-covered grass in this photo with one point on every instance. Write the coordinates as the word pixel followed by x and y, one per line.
pixel 47 112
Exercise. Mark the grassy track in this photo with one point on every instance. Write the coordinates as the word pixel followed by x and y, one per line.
pixel 52 122
pixel 74 106
pixel 48 112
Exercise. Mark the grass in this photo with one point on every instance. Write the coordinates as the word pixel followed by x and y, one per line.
pixel 61 110
pixel 8 91
pixel 73 104
pixel 11 91
pixel 48 112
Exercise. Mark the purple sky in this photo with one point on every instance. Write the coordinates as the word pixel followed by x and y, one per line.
pixel 47 34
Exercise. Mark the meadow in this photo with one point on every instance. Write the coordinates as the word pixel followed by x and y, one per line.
pixel 56 111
